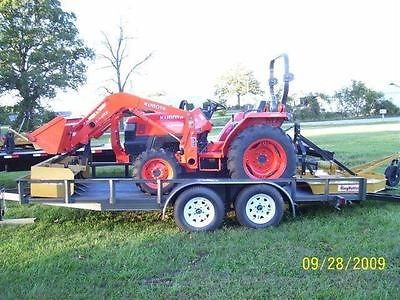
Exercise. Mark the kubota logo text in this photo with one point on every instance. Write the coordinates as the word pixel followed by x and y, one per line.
pixel 171 117
pixel 154 106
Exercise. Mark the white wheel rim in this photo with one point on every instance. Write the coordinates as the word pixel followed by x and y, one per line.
pixel 260 208
pixel 199 212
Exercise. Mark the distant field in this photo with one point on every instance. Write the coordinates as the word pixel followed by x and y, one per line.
pixel 79 254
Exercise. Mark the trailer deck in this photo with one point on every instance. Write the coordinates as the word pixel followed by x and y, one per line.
pixel 125 195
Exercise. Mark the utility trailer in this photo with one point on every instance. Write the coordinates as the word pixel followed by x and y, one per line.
pixel 200 204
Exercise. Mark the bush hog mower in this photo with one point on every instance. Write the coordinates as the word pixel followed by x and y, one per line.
pixel 165 142
pixel 252 167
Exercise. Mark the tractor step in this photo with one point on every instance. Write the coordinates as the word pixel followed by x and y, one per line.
pixel 211 154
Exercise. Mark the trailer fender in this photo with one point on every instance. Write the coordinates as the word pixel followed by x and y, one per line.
pixel 180 188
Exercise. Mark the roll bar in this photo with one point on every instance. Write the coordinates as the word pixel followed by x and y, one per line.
pixel 273 81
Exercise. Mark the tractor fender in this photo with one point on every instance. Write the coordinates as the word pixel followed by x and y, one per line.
pixel 210 182
pixel 273 119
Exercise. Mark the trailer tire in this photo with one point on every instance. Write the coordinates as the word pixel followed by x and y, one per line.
pixel 261 152
pixel 155 164
pixel 259 206
pixel 199 209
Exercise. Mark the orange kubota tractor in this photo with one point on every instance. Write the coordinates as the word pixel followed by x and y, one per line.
pixel 164 142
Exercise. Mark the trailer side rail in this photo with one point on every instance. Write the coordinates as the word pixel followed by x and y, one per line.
pixel 113 189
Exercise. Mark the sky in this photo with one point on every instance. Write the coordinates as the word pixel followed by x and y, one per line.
pixel 329 43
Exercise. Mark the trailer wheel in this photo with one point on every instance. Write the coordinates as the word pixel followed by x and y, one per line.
pixel 259 206
pixel 261 152
pixel 199 209
pixel 153 165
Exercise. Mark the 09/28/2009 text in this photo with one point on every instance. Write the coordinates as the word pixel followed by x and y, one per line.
pixel 339 263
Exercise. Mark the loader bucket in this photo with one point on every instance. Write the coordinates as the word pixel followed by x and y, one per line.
pixel 52 136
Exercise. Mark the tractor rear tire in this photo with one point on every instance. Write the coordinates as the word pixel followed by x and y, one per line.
pixel 153 165
pixel 262 152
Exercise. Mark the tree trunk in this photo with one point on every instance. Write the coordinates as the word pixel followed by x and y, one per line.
pixel 238 99
pixel 119 81
pixel 25 110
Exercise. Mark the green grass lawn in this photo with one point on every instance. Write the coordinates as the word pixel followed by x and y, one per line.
pixel 81 254
pixel 358 148
pixel 7 180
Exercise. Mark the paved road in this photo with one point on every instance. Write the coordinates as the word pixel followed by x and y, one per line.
pixel 353 122
pixel 345 126
pixel 326 130
pixel 351 126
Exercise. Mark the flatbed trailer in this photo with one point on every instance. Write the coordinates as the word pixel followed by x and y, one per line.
pixel 24 159
pixel 200 204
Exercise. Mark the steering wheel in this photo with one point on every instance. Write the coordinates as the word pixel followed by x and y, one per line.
pixel 215 105
pixel 212 107
pixel 183 105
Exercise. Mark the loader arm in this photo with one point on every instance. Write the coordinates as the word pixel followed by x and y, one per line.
pixel 62 135
pixel 114 107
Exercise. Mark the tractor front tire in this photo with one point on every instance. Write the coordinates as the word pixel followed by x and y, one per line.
pixel 262 152
pixel 155 164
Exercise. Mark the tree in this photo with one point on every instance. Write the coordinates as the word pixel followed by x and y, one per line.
pixel 357 100
pixel 237 82
pixel 116 56
pixel 40 52
pixel 309 108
